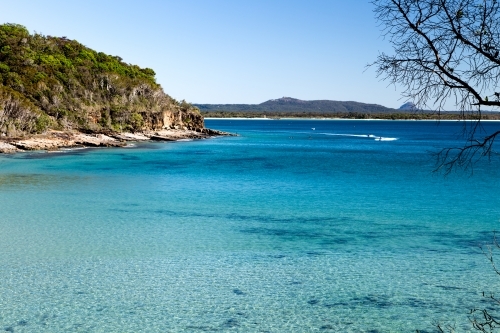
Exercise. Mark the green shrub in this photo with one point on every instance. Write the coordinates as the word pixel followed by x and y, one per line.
pixel 49 60
pixel 4 68
pixel 148 72
pixel 13 29
pixel 5 49
pixel 87 55
pixel 38 77
pixel 13 80
pixel 136 121
pixel 42 123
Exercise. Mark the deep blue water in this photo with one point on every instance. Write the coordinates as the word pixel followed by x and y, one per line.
pixel 284 228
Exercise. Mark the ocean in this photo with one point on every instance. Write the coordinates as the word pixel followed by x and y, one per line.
pixel 292 226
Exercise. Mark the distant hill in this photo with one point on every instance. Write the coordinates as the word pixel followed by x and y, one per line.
pixel 288 104
pixel 409 106
pixel 288 107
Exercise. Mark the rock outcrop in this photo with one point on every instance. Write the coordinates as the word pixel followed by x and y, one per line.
pixel 56 140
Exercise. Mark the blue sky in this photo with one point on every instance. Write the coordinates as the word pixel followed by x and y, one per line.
pixel 229 51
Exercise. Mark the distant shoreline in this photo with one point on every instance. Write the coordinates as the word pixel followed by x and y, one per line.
pixel 347 119
pixel 423 115
pixel 448 118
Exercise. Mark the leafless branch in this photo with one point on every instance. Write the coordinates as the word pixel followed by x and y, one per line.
pixel 445 50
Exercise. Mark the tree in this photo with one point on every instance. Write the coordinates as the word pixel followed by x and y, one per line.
pixel 448 50
pixel 485 320
pixel 445 50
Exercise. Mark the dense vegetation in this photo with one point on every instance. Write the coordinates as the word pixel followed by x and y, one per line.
pixel 351 115
pixel 52 82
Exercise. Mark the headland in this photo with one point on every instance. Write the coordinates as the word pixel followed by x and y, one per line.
pixel 57 93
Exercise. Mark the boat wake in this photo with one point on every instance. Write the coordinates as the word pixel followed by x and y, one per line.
pixel 368 136
pixel 386 139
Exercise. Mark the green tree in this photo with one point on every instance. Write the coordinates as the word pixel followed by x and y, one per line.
pixel 136 121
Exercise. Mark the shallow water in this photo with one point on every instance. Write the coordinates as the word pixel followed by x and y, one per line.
pixel 284 228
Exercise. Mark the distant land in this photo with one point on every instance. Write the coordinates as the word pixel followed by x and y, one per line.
pixel 288 107
pixel 288 104
pixel 408 106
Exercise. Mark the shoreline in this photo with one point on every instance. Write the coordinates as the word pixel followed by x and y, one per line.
pixel 53 140
pixel 351 119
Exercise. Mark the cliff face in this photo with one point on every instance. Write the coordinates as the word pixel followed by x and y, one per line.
pixel 56 83
pixel 135 107
pixel 18 115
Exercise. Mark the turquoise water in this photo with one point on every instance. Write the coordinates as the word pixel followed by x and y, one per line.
pixel 281 229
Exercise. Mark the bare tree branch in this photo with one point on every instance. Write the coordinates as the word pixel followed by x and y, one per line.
pixel 445 50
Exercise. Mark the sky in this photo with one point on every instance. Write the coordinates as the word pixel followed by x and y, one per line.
pixel 229 51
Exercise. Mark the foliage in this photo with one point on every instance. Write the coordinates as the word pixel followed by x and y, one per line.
pixel 347 115
pixel 19 115
pixel 42 123
pixel 136 121
pixel 72 85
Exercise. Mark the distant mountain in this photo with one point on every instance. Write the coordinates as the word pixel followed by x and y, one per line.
pixel 409 106
pixel 288 104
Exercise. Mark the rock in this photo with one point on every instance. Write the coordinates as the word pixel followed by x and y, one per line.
pixel 130 136
pixel 7 148
pixel 161 138
pixel 216 132
pixel 54 140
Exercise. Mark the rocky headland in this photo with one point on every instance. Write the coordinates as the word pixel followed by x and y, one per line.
pixel 57 93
